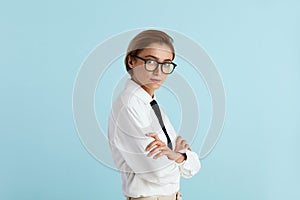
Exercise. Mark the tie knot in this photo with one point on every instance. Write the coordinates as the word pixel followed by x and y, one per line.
pixel 153 103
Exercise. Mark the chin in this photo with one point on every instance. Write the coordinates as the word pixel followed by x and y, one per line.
pixel 155 86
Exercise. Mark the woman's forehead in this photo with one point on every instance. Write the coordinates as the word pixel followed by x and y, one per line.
pixel 158 50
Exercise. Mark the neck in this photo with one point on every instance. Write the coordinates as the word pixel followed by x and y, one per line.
pixel 147 89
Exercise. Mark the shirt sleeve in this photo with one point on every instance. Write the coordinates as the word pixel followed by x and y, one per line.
pixel 190 166
pixel 130 127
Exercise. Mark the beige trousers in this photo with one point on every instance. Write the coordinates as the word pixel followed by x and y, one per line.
pixel 176 196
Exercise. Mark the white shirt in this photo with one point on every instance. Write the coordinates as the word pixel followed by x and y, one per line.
pixel 131 118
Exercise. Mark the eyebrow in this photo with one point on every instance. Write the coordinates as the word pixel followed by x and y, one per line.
pixel 158 58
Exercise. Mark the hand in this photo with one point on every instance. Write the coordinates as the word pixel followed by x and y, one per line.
pixel 159 148
pixel 181 144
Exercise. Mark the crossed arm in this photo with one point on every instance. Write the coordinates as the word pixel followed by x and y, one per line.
pixel 135 151
pixel 158 148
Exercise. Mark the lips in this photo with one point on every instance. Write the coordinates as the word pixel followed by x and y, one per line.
pixel 155 80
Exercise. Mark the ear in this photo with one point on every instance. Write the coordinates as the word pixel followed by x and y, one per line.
pixel 131 62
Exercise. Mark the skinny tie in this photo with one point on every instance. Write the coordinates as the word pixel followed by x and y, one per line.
pixel 156 109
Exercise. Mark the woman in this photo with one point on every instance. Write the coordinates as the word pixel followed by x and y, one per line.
pixel 147 151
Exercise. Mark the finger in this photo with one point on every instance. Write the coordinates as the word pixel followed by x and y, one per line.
pixel 154 143
pixel 153 135
pixel 163 152
pixel 178 139
pixel 186 146
pixel 183 142
pixel 155 150
pixel 167 152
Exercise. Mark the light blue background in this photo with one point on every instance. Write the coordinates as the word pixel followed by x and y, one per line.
pixel 255 45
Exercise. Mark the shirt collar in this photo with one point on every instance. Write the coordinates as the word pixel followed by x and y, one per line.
pixel 138 91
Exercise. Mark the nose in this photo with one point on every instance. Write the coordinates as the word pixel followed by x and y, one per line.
pixel 157 71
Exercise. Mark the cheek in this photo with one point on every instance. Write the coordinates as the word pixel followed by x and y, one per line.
pixel 164 77
pixel 138 71
pixel 141 73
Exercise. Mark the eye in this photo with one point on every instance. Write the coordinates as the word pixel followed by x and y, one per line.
pixel 151 62
pixel 166 64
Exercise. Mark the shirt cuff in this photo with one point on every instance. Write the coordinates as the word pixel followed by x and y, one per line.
pixel 191 165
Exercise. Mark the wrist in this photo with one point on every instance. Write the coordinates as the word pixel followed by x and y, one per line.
pixel 182 157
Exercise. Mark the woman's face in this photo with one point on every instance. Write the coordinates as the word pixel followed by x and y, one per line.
pixel 150 81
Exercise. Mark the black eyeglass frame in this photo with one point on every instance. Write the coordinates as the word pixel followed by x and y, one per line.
pixel 158 63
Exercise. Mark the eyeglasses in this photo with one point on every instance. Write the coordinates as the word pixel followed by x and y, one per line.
pixel 151 65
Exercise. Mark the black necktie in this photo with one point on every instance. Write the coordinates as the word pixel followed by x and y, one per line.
pixel 156 109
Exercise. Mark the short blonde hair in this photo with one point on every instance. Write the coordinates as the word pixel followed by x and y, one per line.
pixel 144 39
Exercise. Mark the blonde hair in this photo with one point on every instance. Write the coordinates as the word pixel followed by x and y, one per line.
pixel 144 39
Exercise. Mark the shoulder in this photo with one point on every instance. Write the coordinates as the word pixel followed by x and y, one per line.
pixel 129 107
